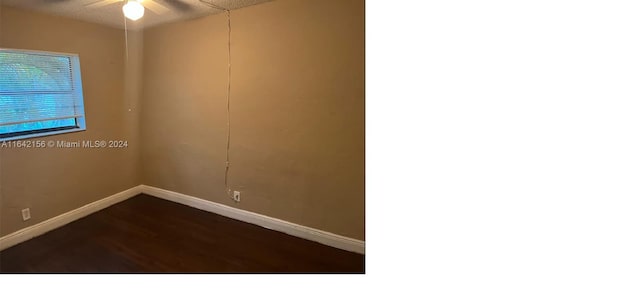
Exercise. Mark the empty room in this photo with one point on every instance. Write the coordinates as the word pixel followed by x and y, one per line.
pixel 182 136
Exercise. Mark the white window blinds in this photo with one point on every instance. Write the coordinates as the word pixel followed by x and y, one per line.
pixel 39 91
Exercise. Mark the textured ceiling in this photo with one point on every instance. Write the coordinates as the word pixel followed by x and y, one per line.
pixel 111 14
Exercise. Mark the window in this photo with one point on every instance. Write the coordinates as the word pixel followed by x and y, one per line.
pixel 40 94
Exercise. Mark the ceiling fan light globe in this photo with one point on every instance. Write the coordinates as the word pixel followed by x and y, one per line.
pixel 133 10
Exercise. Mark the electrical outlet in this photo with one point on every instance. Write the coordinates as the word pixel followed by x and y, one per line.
pixel 26 214
pixel 236 196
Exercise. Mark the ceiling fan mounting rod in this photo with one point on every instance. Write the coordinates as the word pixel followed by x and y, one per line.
pixel 213 5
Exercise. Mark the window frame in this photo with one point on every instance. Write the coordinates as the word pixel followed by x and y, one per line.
pixel 76 76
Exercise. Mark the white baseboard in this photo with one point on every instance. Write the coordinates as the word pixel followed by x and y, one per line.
pixel 33 231
pixel 323 237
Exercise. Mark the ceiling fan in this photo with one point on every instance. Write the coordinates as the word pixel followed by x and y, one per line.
pixel 134 9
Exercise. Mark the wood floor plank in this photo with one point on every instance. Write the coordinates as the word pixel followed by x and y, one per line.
pixel 145 234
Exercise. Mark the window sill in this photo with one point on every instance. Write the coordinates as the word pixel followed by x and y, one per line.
pixel 43 134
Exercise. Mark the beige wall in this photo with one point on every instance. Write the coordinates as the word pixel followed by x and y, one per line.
pixel 297 111
pixel 54 181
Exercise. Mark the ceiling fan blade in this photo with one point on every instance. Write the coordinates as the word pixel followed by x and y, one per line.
pixel 155 7
pixel 176 5
pixel 101 3
pixel 52 1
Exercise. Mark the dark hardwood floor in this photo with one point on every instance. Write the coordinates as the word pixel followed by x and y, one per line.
pixel 149 235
